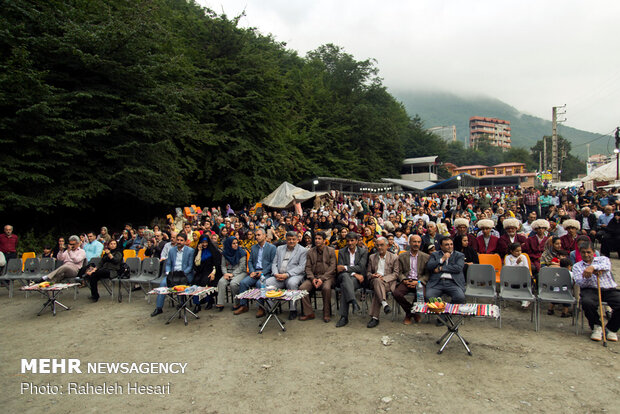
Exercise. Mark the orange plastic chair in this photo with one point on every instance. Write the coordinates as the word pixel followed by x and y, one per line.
pixel 187 212
pixel 141 253
pixel 529 262
pixel 26 256
pixel 494 260
pixel 127 253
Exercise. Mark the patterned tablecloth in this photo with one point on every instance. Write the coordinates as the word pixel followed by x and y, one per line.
pixel 288 295
pixel 467 309
pixel 55 286
pixel 199 291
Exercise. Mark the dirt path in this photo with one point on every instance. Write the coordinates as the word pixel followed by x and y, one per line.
pixel 312 367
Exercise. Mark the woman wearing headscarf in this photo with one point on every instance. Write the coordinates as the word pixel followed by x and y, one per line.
pixel 109 266
pixel 104 237
pixel 306 240
pixel 208 268
pixel 234 270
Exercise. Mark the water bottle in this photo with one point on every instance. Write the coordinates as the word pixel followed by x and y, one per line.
pixel 419 293
pixel 263 287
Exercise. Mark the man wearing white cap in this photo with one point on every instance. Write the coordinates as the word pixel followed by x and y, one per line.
pixel 511 227
pixel 535 245
pixel 461 226
pixel 487 243
pixel 569 240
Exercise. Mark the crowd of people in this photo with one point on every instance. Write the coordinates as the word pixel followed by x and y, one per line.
pixel 385 243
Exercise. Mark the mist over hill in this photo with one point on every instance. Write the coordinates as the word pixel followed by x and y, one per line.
pixel 443 108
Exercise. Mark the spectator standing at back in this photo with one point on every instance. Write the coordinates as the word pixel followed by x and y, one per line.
pixel 530 200
pixel 8 243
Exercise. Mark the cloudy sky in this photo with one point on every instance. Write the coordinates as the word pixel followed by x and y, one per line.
pixel 530 54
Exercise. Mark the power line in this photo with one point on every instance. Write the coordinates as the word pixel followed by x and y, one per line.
pixel 609 134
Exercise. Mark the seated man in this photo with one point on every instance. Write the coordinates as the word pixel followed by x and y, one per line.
pixel 180 262
pixel 487 243
pixel 73 260
pixel 261 259
pixel 585 272
pixel 382 275
pixel 320 272
pixel 351 270
pixel 288 268
pixel 412 270
pixel 446 267
pixel 93 248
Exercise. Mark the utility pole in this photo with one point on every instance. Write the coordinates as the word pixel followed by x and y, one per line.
pixel 554 141
pixel 544 154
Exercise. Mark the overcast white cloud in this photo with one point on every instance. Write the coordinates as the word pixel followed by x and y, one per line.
pixel 530 54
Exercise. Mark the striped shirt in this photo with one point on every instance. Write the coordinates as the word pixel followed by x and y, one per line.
pixel 599 263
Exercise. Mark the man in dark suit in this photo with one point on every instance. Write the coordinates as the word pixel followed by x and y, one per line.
pixel 446 267
pixel 351 270
pixel 382 276
pixel 412 270
pixel 261 263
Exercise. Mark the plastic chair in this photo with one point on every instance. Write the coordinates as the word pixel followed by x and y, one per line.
pixel 494 260
pixel 555 286
pixel 481 282
pixel 141 253
pixel 46 265
pixel 134 265
pixel 26 256
pixel 516 285
pixel 14 270
pixel 149 271
pixel 128 253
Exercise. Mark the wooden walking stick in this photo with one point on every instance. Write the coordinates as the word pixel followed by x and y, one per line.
pixel 600 308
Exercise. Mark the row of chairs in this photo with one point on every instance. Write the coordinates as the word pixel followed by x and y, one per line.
pixel 554 286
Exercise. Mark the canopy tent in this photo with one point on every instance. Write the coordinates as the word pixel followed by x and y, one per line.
pixel 287 194
pixel 605 172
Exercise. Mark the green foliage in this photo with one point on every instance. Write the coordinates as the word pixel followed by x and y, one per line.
pixel 570 165
pixel 35 241
pixel 159 102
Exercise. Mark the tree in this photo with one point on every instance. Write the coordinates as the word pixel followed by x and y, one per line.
pixel 570 165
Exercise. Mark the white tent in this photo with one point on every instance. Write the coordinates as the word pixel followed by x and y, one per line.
pixel 605 172
pixel 286 195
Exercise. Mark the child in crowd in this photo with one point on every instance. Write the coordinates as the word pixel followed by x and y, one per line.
pixel 516 258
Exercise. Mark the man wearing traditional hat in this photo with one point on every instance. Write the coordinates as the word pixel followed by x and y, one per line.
pixel 487 243
pixel 511 226
pixel 461 226
pixel 569 240
pixel 535 245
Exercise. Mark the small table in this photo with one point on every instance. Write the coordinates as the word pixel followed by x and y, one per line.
pixel 453 317
pixel 183 298
pixel 271 305
pixel 51 293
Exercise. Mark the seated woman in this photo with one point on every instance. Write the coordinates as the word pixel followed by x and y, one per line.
pixel 552 249
pixel 234 270
pixel 471 256
pixel 109 266
pixel 207 269
pixel 125 241
pixel 250 240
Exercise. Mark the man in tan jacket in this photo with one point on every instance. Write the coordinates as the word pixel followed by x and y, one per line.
pixel 412 266
pixel 382 276
pixel 320 273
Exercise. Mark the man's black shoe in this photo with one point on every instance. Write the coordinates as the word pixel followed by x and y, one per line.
pixel 342 322
pixel 156 312
pixel 387 309
pixel 292 315
pixel 372 323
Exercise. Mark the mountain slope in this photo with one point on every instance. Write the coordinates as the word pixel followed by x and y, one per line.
pixel 441 108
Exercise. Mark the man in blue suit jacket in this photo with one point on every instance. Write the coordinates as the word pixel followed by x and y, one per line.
pixel 261 260
pixel 180 259
pixel 446 267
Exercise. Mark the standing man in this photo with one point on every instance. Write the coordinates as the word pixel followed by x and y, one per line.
pixel 446 267
pixel 320 273
pixel 383 275
pixel 8 243
pixel 288 268
pixel 412 270
pixel 351 270
pixel 585 272
pixel 180 263
pixel 261 260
